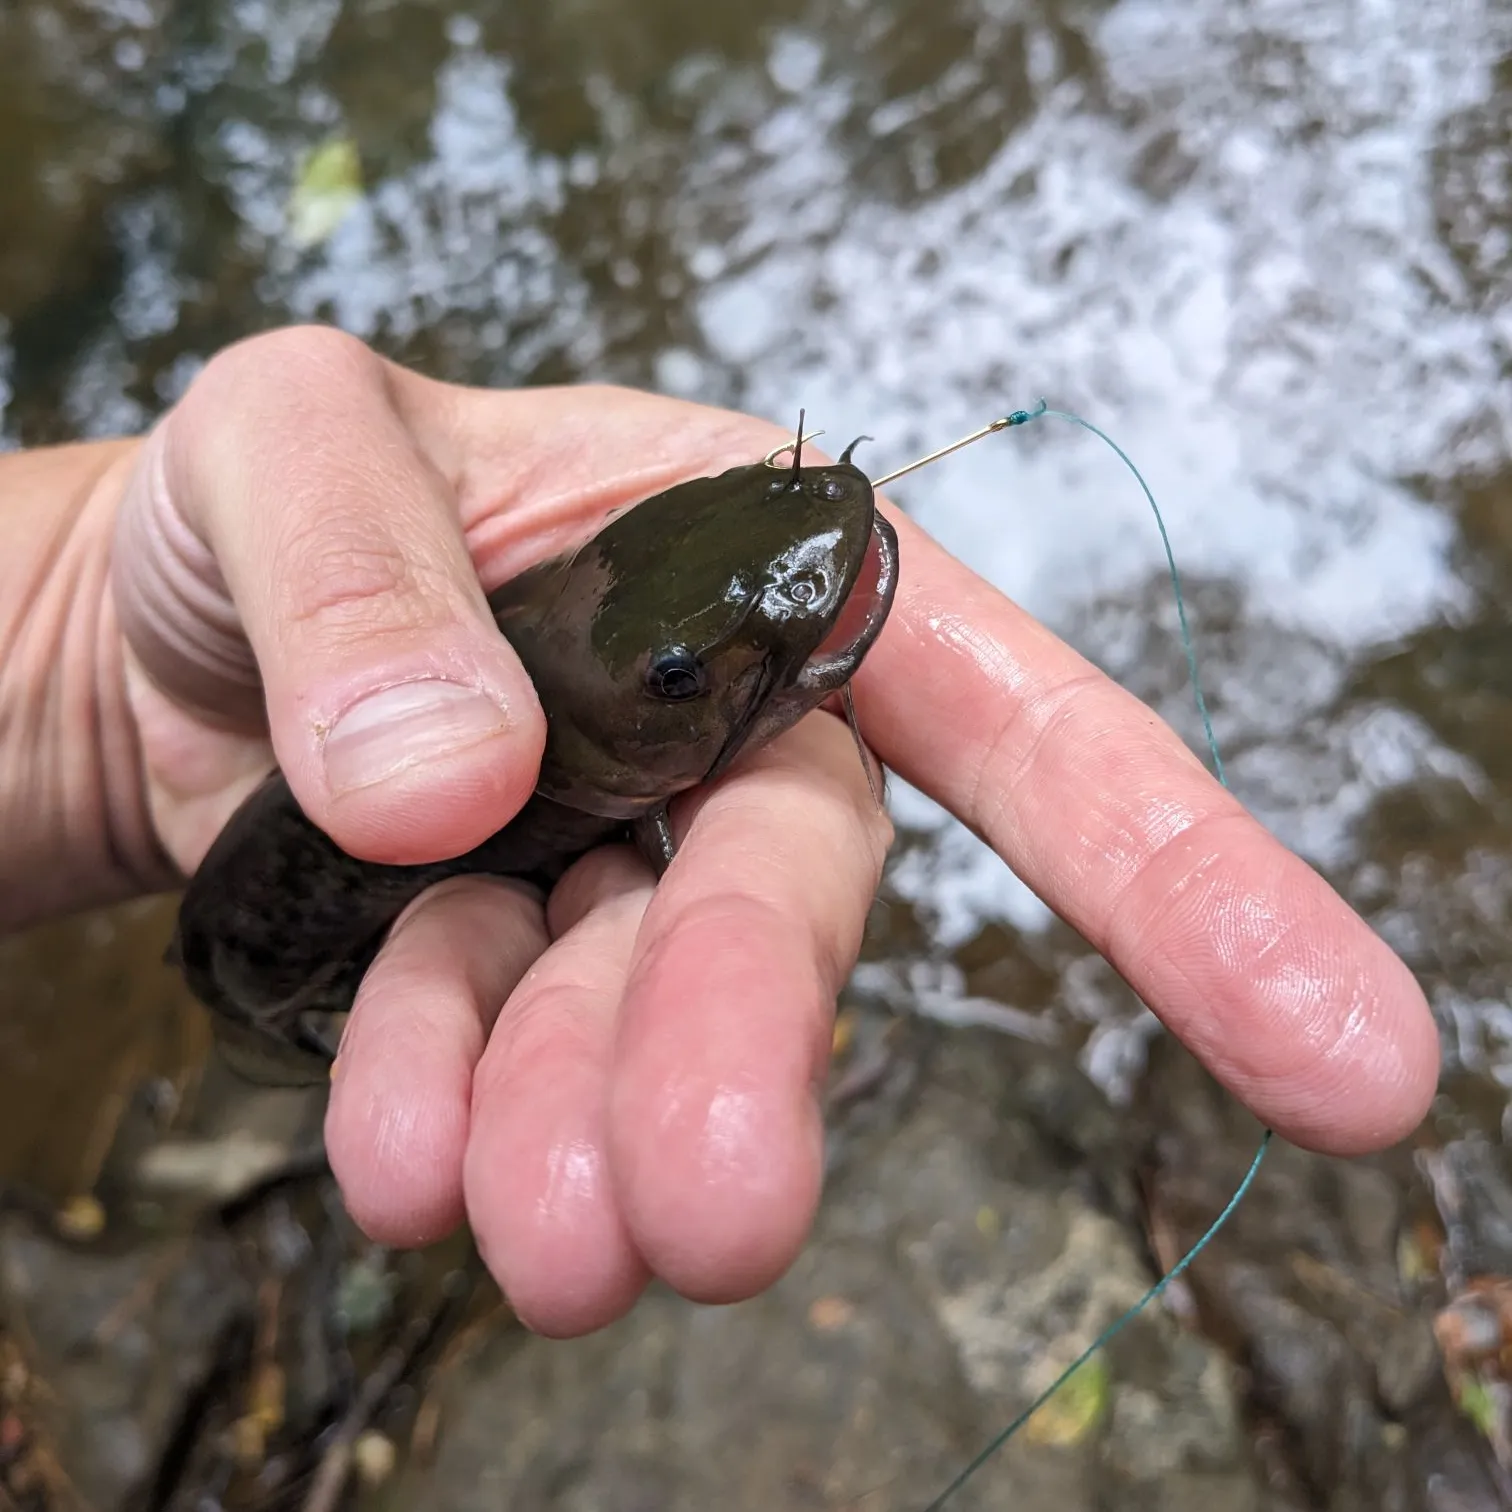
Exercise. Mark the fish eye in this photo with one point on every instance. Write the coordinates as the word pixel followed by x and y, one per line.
pixel 834 488
pixel 675 675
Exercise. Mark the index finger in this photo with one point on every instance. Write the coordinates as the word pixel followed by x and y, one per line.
pixel 1245 952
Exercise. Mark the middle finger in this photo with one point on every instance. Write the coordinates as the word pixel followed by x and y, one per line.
pixel 724 1038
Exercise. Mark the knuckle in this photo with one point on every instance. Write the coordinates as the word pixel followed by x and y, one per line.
pixel 607 890
pixel 343 576
pixel 251 388
pixel 1189 875
pixel 1011 757
pixel 544 1024
pixel 286 354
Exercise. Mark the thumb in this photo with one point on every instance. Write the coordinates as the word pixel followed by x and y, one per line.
pixel 284 529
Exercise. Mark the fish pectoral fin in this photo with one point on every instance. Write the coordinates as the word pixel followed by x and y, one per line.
pixel 653 838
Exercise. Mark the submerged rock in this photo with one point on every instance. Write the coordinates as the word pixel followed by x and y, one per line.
pixel 124 1346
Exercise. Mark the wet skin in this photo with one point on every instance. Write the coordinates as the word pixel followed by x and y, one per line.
pixel 695 626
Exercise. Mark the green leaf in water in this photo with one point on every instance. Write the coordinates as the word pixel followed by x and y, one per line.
pixel 326 188
pixel 1075 1410
pixel 1477 1403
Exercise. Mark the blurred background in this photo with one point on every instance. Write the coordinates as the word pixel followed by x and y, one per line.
pixel 1268 246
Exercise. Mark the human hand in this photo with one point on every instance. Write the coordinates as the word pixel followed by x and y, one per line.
pixel 625 1084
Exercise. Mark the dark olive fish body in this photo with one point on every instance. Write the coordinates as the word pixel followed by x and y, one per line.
pixel 692 627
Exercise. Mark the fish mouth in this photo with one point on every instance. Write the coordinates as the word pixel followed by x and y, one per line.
pixel 867 605
pixel 839 655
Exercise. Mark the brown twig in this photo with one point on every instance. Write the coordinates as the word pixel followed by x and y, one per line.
pixel 458 1348
pixel 128 1308
pixel 1318 1276
pixel 336 1463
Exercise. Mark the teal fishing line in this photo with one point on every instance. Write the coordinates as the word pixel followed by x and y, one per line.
pixel 1023 417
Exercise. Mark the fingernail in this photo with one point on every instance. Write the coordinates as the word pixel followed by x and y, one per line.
pixel 401 727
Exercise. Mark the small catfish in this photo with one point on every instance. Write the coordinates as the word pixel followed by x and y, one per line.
pixel 694 626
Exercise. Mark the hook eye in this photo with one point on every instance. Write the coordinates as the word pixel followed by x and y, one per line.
pixel 771 457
